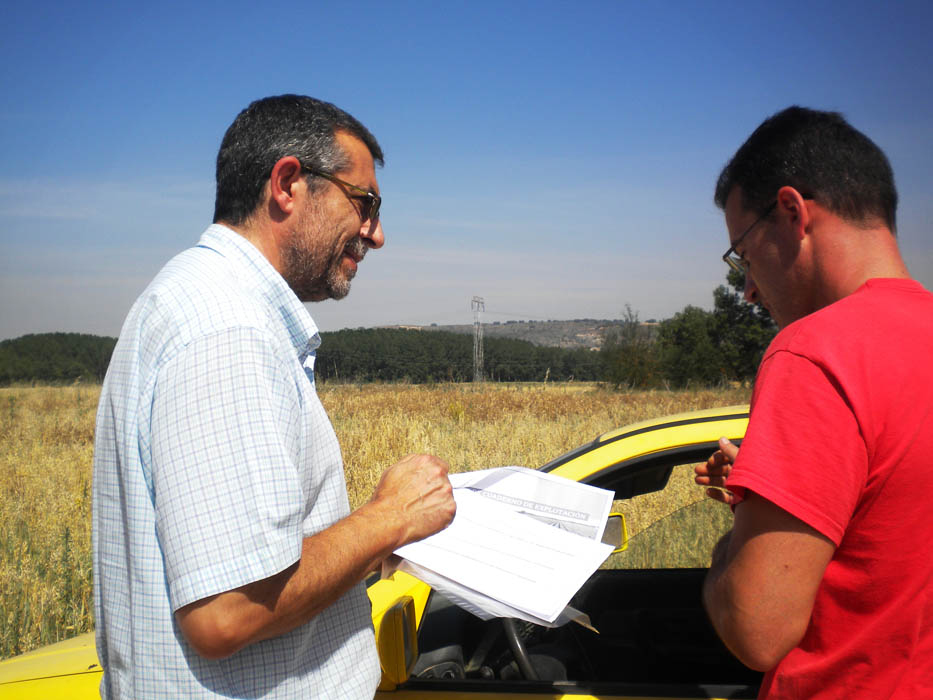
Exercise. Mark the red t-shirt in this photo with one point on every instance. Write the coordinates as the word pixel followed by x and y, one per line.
pixel 841 437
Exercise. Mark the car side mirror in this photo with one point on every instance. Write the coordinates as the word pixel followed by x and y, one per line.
pixel 616 533
pixel 397 642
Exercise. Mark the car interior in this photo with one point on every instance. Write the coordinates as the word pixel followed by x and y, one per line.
pixel 653 639
pixel 652 633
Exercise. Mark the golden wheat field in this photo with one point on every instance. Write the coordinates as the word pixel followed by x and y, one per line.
pixel 46 448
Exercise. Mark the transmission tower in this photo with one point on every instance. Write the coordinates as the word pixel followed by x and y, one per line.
pixel 478 306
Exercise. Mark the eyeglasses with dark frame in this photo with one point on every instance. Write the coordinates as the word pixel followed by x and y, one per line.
pixel 370 202
pixel 737 262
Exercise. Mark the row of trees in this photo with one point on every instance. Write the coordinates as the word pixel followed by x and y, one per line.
pixel 55 357
pixel 384 354
pixel 695 347
pixel 376 354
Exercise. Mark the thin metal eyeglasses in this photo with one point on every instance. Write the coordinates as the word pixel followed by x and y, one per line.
pixel 369 201
pixel 737 262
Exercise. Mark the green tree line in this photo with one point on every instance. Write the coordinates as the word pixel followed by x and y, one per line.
pixel 389 354
pixel 363 355
pixel 694 347
pixel 55 358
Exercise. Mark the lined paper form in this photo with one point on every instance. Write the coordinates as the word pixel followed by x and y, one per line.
pixel 522 543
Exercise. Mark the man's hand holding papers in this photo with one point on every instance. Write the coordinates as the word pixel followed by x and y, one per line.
pixel 522 543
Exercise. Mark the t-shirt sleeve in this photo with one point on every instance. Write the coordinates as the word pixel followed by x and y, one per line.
pixel 803 450
pixel 228 499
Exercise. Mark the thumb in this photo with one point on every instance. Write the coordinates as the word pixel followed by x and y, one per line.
pixel 730 450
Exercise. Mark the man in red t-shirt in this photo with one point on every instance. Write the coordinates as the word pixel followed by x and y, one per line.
pixel 826 579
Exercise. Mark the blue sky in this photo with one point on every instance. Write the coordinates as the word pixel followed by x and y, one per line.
pixel 556 158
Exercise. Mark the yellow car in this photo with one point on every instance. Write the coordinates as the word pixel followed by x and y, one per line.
pixel 653 638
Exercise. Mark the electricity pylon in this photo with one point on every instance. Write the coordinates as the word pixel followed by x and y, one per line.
pixel 478 306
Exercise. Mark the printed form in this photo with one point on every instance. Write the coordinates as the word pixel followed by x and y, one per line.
pixel 522 543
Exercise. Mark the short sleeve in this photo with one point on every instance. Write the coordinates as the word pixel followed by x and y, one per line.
pixel 803 451
pixel 227 494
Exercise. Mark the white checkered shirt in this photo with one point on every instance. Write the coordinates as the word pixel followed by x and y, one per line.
pixel 213 459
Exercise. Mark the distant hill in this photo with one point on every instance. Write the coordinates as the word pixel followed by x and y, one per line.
pixel 585 333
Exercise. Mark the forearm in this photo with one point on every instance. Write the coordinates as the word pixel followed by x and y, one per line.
pixel 737 617
pixel 332 562
pixel 719 599
pixel 762 582
pixel 412 501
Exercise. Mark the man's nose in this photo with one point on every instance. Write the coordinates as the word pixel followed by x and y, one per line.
pixel 373 235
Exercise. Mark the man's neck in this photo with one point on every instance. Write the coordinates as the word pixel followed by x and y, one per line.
pixel 850 256
pixel 260 236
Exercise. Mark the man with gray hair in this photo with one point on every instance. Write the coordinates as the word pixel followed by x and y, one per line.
pixel 227 562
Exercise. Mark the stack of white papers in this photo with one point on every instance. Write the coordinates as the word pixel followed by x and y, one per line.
pixel 522 543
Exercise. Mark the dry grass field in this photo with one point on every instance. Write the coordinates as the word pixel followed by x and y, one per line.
pixel 46 446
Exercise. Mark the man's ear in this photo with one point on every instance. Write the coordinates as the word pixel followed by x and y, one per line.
pixel 286 173
pixel 792 209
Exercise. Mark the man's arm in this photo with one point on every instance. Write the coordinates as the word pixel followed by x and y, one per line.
pixel 762 582
pixel 413 500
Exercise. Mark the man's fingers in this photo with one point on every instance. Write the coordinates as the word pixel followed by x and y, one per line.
pixel 711 480
pixel 418 490
pixel 721 496
pixel 716 470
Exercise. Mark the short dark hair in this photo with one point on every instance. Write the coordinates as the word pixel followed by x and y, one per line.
pixel 270 129
pixel 820 155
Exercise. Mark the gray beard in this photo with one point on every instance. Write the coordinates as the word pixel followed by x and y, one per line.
pixel 313 270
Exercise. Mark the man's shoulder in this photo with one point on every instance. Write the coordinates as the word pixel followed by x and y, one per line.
pixel 880 306
pixel 200 291
pixel 198 294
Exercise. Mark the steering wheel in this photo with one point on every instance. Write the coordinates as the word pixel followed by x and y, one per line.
pixel 522 659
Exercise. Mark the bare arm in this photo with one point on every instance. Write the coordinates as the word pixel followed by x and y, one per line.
pixel 413 500
pixel 763 580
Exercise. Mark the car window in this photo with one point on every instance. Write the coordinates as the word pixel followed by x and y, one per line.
pixel 674 528
pixel 653 633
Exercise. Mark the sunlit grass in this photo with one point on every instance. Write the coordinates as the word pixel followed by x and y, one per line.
pixel 46 447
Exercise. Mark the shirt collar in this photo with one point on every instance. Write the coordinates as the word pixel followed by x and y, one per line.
pixel 265 279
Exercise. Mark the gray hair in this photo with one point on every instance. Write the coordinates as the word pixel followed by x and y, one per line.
pixel 270 129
